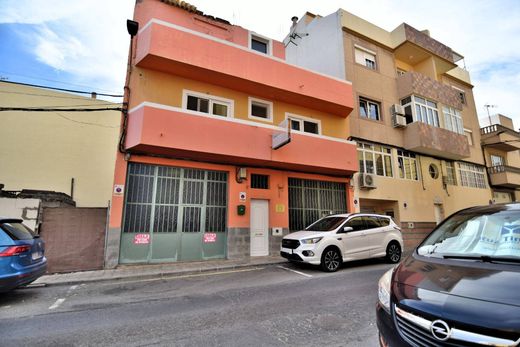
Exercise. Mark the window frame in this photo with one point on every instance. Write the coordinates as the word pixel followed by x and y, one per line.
pixel 432 118
pixel 453 117
pixel 451 173
pixel 291 117
pixel 258 175
pixel 405 158
pixel 260 38
pixel 362 149
pixel 212 99
pixel 367 107
pixel 494 157
pixel 269 104
pixel 472 176
pixel 462 95
pixel 469 134
pixel 366 52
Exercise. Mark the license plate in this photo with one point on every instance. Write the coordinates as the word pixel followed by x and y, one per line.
pixel 287 250
pixel 36 255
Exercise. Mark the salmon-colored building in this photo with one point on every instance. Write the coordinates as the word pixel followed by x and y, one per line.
pixel 225 146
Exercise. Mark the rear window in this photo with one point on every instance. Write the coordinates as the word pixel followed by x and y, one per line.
pixel 17 231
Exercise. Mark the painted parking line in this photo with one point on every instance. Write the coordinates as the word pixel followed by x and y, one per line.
pixel 297 272
pixel 173 277
pixel 57 304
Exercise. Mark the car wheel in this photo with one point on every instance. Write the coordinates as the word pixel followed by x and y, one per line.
pixel 330 260
pixel 393 252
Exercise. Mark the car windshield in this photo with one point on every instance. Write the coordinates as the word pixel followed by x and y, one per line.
pixel 17 231
pixel 326 224
pixel 470 235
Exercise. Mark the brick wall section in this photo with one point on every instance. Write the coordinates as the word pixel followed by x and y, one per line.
pixel 422 85
pixel 413 236
pixel 426 42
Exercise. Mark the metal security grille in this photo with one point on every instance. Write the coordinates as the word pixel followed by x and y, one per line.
pixel 259 181
pixel 310 200
pixel 168 200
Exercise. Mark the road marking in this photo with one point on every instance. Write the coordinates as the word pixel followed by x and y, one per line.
pixel 184 276
pixel 298 272
pixel 57 304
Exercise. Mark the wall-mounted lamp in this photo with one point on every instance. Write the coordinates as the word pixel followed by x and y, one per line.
pixel 132 27
pixel 241 174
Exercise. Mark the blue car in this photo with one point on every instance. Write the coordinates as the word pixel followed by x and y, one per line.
pixel 22 258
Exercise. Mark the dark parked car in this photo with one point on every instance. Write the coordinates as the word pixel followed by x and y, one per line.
pixel 461 285
pixel 22 258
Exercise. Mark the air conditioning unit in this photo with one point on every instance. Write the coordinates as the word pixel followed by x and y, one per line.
pixel 367 181
pixel 397 109
pixel 398 121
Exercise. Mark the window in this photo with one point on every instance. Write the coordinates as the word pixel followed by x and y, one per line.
pixel 365 57
pixel 259 181
pixel 453 120
pixel 375 159
pixel 369 109
pixel 497 160
pixel 433 170
pixel 372 222
pixel 306 125
pixel 469 135
pixel 260 109
pixel 418 109
pixel 356 224
pixel 384 222
pixel 407 165
pixel 207 104
pixel 260 44
pixel 451 178
pixel 472 175
pixel 462 95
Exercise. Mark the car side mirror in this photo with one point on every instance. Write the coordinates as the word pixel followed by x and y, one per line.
pixel 347 229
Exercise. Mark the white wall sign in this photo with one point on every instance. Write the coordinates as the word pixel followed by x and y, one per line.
pixel 242 196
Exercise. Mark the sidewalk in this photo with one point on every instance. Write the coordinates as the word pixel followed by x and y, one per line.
pixel 154 270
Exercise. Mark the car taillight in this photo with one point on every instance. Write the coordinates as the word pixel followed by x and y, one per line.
pixel 14 250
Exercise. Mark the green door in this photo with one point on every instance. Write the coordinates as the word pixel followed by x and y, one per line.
pixel 173 214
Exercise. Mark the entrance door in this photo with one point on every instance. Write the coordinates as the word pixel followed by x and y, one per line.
pixel 259 228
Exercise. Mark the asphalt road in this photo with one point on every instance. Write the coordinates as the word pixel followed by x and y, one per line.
pixel 284 305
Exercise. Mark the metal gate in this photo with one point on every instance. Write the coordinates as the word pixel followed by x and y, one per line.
pixel 310 200
pixel 173 214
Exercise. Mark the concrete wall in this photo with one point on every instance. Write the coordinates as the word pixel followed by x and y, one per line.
pixel 26 209
pixel 310 52
pixel 46 150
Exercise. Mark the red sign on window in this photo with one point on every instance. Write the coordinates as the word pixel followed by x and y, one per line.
pixel 210 237
pixel 141 239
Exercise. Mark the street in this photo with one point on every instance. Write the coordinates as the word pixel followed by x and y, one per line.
pixel 278 305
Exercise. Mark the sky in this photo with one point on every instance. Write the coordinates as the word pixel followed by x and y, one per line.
pixel 84 44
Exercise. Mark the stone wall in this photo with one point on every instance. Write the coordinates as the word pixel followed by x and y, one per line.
pixel 414 233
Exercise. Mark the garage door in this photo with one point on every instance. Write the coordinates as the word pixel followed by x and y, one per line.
pixel 310 200
pixel 173 214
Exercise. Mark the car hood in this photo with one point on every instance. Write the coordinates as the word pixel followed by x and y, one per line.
pixel 475 280
pixel 473 293
pixel 304 234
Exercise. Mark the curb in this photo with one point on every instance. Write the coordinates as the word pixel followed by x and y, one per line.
pixel 163 274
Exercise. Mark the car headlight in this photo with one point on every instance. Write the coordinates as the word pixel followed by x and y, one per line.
pixel 383 291
pixel 311 241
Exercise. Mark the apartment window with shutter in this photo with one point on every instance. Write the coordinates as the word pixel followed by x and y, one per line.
pixel 365 57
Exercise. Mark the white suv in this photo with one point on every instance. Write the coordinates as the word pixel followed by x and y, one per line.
pixel 344 237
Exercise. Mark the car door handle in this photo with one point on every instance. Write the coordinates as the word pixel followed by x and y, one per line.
pixel 339 239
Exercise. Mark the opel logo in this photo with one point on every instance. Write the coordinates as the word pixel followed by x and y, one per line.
pixel 440 330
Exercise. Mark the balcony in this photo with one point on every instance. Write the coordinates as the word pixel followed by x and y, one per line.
pixel 165 47
pixel 419 84
pixel 423 138
pixel 171 132
pixel 504 176
pixel 500 137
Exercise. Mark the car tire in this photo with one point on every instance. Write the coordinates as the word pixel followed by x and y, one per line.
pixel 330 260
pixel 393 252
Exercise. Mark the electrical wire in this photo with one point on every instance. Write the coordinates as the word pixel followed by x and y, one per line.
pixel 87 123
pixel 62 89
pixel 70 106
pixel 46 95
pixel 3 109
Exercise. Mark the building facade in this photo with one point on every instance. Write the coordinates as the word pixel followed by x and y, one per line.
pixel 414 122
pixel 501 146
pixel 200 175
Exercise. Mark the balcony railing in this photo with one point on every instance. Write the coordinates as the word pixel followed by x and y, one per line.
pixel 500 137
pixel 504 176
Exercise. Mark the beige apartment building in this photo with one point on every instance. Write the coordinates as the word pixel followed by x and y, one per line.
pixel 415 121
pixel 501 145
pixel 61 151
